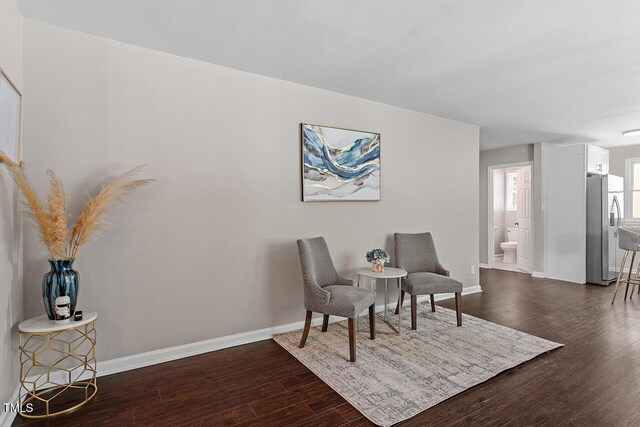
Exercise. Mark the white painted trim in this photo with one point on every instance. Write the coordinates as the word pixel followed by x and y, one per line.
pixel 465 291
pixel 6 418
pixel 563 280
pixel 140 360
pixel 538 275
pixel 135 361
pixel 490 243
pixel 483 265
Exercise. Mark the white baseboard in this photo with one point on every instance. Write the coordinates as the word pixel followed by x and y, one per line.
pixel 563 280
pixel 483 265
pixel 6 418
pixel 538 275
pixel 135 361
pixel 140 360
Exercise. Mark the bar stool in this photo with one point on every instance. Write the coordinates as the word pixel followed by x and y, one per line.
pixel 629 241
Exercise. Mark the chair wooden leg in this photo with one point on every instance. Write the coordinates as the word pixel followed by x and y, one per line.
pixel 414 312
pixel 433 303
pixel 307 326
pixel 401 302
pixel 352 340
pixel 458 312
pixel 624 260
pixel 633 285
pixel 325 323
pixel 372 321
pixel 633 258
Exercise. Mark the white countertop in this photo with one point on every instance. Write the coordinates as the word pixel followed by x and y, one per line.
pixel 388 273
pixel 42 324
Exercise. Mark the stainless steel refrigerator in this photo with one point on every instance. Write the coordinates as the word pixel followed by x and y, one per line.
pixel 604 216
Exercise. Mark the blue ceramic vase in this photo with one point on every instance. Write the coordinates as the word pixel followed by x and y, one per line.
pixel 62 280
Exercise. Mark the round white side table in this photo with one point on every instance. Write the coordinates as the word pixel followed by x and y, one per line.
pixel 57 365
pixel 388 273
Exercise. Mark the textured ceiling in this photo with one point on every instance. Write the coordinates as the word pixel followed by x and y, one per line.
pixel 524 70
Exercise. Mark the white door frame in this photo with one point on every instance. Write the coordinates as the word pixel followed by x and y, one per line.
pixel 490 252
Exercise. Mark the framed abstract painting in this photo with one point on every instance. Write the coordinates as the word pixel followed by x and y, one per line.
pixel 339 164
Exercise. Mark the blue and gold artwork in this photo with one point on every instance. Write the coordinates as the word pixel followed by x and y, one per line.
pixel 339 164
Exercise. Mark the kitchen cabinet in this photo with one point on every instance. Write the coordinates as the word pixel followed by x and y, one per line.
pixel 565 170
pixel 597 160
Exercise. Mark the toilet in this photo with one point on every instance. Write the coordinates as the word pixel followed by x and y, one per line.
pixel 510 247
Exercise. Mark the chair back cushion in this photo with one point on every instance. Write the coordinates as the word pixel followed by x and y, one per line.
pixel 317 265
pixel 629 239
pixel 416 252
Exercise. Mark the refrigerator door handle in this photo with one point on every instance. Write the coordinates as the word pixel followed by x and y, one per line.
pixel 615 201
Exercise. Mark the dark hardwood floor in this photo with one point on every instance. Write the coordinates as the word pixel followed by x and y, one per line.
pixel 593 380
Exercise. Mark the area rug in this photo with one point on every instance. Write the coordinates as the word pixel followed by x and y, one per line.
pixel 397 377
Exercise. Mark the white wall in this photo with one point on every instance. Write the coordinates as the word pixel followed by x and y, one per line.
pixel 510 219
pixel 209 249
pixel 617 157
pixel 10 221
pixel 538 208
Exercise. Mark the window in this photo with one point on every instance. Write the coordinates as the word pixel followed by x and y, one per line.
pixel 632 189
pixel 512 191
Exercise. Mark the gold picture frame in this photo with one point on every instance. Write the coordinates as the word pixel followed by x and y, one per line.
pixel 10 118
pixel 339 164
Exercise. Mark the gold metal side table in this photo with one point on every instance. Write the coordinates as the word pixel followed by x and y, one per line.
pixel 57 365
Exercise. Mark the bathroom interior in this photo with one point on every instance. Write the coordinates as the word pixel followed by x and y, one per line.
pixel 507 218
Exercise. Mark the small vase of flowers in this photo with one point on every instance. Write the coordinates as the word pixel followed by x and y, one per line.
pixel 377 258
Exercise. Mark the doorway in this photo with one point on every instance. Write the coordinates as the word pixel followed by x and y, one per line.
pixel 510 234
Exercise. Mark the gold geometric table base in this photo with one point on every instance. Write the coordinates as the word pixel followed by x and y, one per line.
pixel 57 371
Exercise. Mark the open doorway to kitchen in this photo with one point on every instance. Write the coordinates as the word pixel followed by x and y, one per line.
pixel 510 243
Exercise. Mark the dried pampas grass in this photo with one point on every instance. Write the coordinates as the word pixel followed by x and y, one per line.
pixel 5 159
pixel 52 220
pixel 91 215
pixel 57 211
pixel 36 209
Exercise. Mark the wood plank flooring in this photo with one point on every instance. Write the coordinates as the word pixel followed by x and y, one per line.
pixel 594 380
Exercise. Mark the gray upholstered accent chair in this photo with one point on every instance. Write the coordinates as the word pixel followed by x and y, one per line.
pixel 416 254
pixel 326 292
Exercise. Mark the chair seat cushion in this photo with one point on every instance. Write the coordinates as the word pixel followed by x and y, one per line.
pixel 430 283
pixel 348 301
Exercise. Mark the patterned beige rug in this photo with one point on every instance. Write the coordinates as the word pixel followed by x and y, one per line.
pixel 396 377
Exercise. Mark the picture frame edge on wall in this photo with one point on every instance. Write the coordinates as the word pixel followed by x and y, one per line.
pixel 18 150
pixel 302 150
